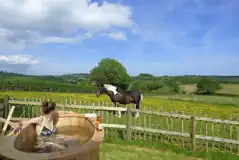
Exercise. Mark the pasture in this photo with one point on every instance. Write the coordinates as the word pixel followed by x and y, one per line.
pixel 226 88
pixel 129 152
pixel 157 152
pixel 208 99
pixel 201 106
pixel 150 103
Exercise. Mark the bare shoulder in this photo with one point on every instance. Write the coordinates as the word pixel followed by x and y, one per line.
pixel 35 120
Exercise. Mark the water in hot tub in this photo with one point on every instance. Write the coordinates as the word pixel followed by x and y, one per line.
pixel 68 137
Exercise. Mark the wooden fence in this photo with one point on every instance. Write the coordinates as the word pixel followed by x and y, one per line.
pixel 35 88
pixel 3 109
pixel 179 129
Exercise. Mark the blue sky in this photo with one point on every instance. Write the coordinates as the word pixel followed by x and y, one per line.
pixel 173 37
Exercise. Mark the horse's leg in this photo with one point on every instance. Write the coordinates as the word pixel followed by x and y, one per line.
pixel 138 102
pixel 137 110
pixel 119 112
pixel 114 112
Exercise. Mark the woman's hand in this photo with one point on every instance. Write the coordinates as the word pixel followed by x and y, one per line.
pixel 18 124
pixel 17 128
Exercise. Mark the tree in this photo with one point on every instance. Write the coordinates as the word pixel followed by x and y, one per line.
pixel 146 85
pixel 208 86
pixel 145 76
pixel 174 85
pixel 110 71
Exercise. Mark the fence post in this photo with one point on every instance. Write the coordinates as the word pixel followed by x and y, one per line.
pixel 5 105
pixel 65 103
pixel 128 125
pixel 1 111
pixel 193 133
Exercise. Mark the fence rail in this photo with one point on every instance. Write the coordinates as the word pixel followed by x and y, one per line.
pixel 185 130
pixel 67 87
pixel 122 109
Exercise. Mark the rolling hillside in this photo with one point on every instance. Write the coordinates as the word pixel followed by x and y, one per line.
pixel 64 83
pixel 184 79
pixel 226 88
pixel 79 82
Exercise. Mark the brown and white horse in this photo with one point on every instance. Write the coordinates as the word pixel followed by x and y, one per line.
pixel 117 95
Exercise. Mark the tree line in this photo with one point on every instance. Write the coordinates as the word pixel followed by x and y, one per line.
pixel 112 71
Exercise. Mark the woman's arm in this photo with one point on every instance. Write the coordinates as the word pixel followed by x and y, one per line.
pixel 35 120
pixel 24 123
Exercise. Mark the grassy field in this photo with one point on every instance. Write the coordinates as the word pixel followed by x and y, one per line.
pixel 149 103
pixel 165 151
pixel 201 105
pixel 226 88
pixel 156 122
pixel 208 99
pixel 129 152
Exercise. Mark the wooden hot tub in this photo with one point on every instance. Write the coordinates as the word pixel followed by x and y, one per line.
pixel 20 147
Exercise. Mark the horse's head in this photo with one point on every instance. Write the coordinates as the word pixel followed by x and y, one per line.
pixel 100 91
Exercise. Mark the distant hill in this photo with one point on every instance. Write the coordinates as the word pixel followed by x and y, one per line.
pixel 190 79
pixel 84 75
pixel 78 82
pixel 7 75
pixel 75 77
pixel 63 83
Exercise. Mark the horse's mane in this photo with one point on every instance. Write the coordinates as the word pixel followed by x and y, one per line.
pixel 120 90
pixel 109 86
pixel 116 88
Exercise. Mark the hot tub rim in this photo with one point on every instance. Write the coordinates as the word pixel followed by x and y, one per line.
pixel 73 152
pixel 93 143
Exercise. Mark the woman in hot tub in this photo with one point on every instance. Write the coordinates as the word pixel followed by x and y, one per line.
pixel 45 123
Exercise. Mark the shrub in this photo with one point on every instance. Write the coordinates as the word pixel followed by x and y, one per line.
pixel 208 86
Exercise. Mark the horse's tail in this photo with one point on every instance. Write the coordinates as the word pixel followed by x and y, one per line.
pixel 141 97
pixel 139 101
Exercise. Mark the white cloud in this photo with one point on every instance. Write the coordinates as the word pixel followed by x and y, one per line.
pixel 18 59
pixel 29 22
pixel 116 35
pixel 17 63
pixel 66 39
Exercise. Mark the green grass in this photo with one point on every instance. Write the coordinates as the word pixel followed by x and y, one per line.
pixel 149 103
pixel 169 149
pixel 202 105
pixel 208 99
pixel 131 152
pixel 230 89
pixel 156 103
pixel 226 88
pixel 147 121
pixel 155 122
